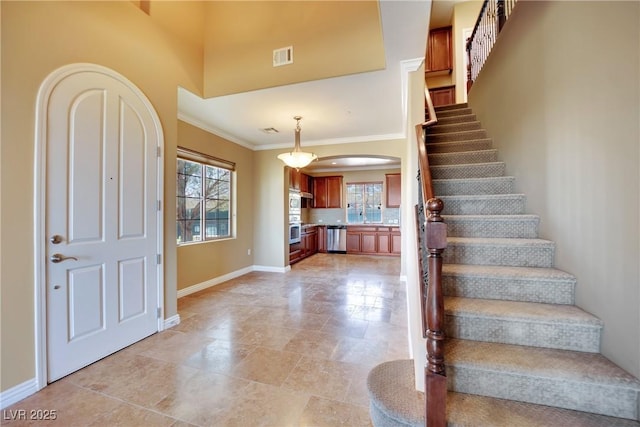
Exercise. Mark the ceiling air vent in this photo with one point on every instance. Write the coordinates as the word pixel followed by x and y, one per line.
pixel 283 56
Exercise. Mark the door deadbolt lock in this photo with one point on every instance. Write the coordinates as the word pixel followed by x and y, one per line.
pixel 56 239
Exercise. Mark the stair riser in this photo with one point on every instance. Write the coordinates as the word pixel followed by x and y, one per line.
pixel 480 170
pixel 484 156
pixel 456 136
pixel 495 185
pixel 563 336
pixel 509 289
pixel 453 127
pixel 493 206
pixel 440 108
pixel 451 147
pixel 509 255
pixel 527 229
pixel 456 119
pixel 605 400
pixel 454 112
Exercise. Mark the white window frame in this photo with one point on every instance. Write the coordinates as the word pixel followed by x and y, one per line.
pixel 206 161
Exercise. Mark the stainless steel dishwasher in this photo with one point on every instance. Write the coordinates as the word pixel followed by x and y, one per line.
pixel 337 239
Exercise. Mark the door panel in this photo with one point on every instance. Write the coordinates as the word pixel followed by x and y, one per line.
pixel 102 167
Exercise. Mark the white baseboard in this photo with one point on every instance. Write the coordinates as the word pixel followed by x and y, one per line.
pixel 17 393
pixel 220 279
pixel 171 322
pixel 271 269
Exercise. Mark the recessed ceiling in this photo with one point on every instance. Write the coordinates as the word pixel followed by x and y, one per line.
pixel 336 163
pixel 354 108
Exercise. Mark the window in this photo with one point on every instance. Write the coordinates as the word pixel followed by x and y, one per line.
pixel 203 197
pixel 364 202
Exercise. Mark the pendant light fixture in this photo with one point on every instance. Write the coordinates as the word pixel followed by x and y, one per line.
pixel 297 158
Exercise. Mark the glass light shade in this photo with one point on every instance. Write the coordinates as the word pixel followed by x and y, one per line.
pixel 297 159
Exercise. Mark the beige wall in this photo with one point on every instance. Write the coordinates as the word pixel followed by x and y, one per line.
pixel 37 38
pixel 200 262
pixel 560 96
pixel 329 39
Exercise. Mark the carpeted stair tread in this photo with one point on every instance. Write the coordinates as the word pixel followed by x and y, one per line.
pixel 473 186
pixel 507 272
pixel 457 119
pixel 490 204
pixel 453 112
pixel 566 379
pixel 453 127
pixel 473 170
pixel 451 106
pixel 556 326
pixel 466 410
pixel 543 285
pixel 465 135
pixel 464 157
pixel 509 226
pixel 499 251
pixel 393 398
pixel 457 146
pixel 516 310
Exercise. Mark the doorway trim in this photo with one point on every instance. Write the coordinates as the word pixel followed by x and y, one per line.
pixel 39 178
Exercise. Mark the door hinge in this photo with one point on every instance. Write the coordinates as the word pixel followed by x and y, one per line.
pixel 159 313
pixel 159 205
pixel 159 151
pixel 159 259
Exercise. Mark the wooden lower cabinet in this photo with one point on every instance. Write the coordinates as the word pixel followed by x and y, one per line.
pixel 308 245
pixel 373 240
pixel 322 239
pixel 396 242
pixel 353 242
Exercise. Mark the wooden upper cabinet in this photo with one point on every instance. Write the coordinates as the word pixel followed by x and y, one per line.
pixel 334 191
pixel 393 181
pixel 327 192
pixel 439 50
pixel 294 178
pixel 304 183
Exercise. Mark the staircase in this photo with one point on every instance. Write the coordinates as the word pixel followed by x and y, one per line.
pixel 518 351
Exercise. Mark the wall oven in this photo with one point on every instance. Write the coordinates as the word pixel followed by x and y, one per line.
pixel 294 232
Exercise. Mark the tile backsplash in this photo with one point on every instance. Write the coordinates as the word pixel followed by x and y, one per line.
pixel 338 216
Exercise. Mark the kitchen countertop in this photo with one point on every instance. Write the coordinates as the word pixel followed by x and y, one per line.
pixel 324 224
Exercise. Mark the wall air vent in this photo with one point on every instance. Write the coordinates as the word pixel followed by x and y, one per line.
pixel 283 56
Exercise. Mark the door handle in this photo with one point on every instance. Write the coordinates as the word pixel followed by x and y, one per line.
pixel 56 258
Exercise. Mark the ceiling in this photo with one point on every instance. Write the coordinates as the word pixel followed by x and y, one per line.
pixel 354 108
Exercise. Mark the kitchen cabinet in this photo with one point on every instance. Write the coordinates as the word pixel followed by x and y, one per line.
pixel 373 240
pixel 327 192
pixel 299 180
pixel 396 241
pixel 307 246
pixel 322 239
pixel 393 183
pixel 439 51
pixel 443 95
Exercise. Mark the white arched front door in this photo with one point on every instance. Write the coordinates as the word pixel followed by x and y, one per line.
pixel 100 143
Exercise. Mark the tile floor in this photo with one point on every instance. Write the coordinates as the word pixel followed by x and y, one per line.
pixel 264 349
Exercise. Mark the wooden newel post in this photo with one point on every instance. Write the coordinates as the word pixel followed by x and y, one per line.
pixel 435 375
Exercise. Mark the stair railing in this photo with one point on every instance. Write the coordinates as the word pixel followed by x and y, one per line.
pixel 432 240
pixel 493 15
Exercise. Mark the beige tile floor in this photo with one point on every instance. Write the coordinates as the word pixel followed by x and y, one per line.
pixel 264 349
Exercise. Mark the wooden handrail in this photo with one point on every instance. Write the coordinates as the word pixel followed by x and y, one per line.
pixel 434 234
